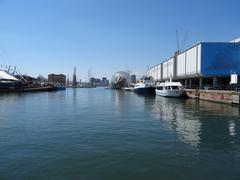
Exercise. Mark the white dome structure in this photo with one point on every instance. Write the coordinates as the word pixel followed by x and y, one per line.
pixel 119 79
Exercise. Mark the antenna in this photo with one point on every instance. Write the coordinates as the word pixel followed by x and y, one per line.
pixel 92 73
pixel 178 48
pixel 130 71
pixel 14 70
pixel 184 40
pixel 126 66
pixel 89 75
pixel 9 68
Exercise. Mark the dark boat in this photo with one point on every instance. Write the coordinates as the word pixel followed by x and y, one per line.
pixel 9 83
pixel 16 88
pixel 145 86
pixel 145 90
pixel 60 87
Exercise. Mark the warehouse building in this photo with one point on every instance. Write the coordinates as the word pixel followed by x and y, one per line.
pixel 57 79
pixel 207 65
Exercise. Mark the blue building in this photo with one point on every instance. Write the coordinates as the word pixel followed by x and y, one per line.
pixel 205 65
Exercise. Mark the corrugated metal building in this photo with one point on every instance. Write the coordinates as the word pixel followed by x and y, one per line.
pixel 206 64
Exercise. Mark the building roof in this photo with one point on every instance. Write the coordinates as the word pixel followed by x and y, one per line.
pixel 6 76
pixel 196 44
pixel 56 74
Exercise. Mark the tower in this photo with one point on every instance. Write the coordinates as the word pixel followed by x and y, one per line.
pixel 74 77
pixel 67 79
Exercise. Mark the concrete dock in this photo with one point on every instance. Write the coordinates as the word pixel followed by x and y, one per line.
pixel 221 96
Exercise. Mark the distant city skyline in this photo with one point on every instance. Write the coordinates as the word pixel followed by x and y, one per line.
pixel 44 37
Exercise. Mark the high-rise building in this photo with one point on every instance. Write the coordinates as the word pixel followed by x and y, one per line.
pixel 133 78
pixel 99 82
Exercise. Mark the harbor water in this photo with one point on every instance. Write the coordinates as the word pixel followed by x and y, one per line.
pixel 108 134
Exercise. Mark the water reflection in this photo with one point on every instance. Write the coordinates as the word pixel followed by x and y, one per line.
pixel 212 108
pixel 179 119
pixel 74 95
pixel 197 122
pixel 232 128
pixel 117 95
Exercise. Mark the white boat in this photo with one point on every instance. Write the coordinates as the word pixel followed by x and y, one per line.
pixel 169 89
pixel 145 86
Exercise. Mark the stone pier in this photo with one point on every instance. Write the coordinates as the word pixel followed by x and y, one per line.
pixel 229 97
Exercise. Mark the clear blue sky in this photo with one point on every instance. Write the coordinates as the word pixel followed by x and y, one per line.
pixel 53 36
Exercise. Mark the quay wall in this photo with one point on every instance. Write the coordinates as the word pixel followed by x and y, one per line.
pixel 228 97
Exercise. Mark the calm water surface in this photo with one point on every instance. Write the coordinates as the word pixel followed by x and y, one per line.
pixel 106 134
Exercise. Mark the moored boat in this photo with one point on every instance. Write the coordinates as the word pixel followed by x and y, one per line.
pixel 60 87
pixel 9 83
pixel 169 89
pixel 129 89
pixel 145 86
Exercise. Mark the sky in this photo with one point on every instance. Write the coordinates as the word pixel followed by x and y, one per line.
pixel 105 36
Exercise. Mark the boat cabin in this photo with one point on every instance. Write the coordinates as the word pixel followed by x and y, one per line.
pixel 146 79
pixel 169 86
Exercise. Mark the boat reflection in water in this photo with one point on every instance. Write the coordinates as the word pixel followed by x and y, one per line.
pixel 198 122
pixel 109 133
pixel 185 124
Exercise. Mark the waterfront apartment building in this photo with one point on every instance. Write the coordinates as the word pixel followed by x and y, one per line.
pixel 57 78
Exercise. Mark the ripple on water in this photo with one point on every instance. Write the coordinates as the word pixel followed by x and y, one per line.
pixel 105 134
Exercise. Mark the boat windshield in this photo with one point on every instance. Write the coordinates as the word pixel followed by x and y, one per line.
pixel 174 87
pixel 147 78
pixel 159 88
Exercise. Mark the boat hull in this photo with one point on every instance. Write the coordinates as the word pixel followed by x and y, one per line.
pixel 128 89
pixel 169 93
pixel 61 88
pixel 146 90
pixel 33 89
